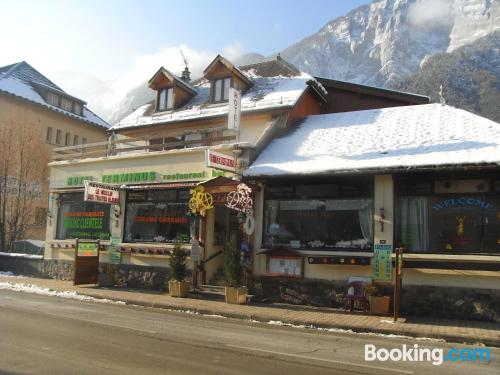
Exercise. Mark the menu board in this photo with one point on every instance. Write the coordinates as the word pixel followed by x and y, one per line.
pixel 285 266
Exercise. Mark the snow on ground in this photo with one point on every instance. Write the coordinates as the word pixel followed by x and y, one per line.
pixel 350 331
pixel 397 137
pixel 35 289
pixel 21 255
pixel 9 274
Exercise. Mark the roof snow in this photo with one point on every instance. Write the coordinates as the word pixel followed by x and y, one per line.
pixel 397 137
pixel 21 79
pixel 268 91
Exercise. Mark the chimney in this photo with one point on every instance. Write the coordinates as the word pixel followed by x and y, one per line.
pixel 186 75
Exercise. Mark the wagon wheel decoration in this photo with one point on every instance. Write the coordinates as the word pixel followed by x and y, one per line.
pixel 200 201
pixel 240 200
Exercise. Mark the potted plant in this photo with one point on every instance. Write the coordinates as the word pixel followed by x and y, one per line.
pixel 177 286
pixel 379 304
pixel 107 276
pixel 233 269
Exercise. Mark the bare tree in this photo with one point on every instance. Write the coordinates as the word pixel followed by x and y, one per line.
pixel 23 176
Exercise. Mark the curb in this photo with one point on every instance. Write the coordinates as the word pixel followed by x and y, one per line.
pixel 449 338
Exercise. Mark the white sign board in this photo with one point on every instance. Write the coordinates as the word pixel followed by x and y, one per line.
pixel 220 161
pixel 102 193
pixel 234 113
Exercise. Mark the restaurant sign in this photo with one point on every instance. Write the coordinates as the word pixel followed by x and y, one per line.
pixel 382 262
pixel 220 161
pixel 102 193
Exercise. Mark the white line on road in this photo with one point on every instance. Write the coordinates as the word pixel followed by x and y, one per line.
pixel 320 359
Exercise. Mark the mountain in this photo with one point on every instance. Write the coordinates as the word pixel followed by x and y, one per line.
pixel 469 75
pixel 386 42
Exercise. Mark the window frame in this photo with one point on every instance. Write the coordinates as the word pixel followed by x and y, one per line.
pixel 58 136
pixel 167 103
pixel 66 104
pixel 51 96
pixel 224 96
pixel 76 140
pixel 48 135
pixel 67 139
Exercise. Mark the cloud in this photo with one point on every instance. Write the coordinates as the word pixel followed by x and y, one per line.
pixel 104 96
pixel 430 13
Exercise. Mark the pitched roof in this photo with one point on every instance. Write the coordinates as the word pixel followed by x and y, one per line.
pixel 23 81
pixel 427 135
pixel 275 85
pixel 171 76
pixel 229 65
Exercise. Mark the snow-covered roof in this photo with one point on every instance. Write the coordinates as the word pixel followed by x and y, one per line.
pixel 378 139
pixel 267 92
pixel 21 80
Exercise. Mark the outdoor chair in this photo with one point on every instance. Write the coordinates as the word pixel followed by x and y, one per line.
pixel 356 293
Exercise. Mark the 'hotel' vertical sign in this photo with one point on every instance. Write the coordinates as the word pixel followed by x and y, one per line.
pixel 234 113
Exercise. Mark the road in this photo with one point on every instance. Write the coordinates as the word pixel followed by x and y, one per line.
pixel 49 335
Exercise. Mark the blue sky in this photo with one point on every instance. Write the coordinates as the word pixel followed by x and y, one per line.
pixel 90 46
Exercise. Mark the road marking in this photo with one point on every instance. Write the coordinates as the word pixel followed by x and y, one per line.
pixel 320 359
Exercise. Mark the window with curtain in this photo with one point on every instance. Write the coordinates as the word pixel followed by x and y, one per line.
pixel 157 216
pixel 304 217
pixel 79 219
pixel 458 221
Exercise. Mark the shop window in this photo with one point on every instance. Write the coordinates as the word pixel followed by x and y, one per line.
pixel 452 216
pixel 449 223
pixel 158 216
pixel 79 219
pixel 319 223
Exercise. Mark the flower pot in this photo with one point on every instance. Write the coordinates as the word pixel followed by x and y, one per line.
pixel 379 305
pixel 237 296
pixel 106 279
pixel 178 288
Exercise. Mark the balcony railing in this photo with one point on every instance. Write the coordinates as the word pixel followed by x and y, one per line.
pixel 113 147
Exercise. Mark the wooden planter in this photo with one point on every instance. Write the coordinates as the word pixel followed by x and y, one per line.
pixel 178 288
pixel 106 279
pixel 379 305
pixel 236 296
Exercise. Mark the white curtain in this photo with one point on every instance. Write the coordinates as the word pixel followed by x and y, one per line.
pixel 366 222
pixel 414 221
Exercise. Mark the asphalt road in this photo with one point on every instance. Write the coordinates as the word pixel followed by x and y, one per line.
pixel 49 335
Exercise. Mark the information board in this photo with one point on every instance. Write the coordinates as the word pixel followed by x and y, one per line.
pixel 114 254
pixel 86 264
pixel 382 262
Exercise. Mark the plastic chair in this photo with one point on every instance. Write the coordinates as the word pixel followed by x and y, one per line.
pixel 356 292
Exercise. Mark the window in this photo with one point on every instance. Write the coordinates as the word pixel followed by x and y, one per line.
pixel 165 99
pixel 58 136
pixel 66 104
pixel 84 141
pixel 456 216
pixel 48 137
pixel 319 216
pixel 77 108
pixel 158 216
pixel 76 140
pixel 67 139
pixel 221 89
pixel 79 219
pixel 53 99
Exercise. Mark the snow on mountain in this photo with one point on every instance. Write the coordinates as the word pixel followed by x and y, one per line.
pixel 387 40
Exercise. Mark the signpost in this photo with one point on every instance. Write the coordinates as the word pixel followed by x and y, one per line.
pixel 234 113
pixel 196 258
pixel 86 264
pixel 102 193
pixel 382 262
pixel 398 281
pixel 220 161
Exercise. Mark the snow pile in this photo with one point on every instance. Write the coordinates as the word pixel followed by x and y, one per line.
pixel 21 255
pixel 35 289
pixel 397 137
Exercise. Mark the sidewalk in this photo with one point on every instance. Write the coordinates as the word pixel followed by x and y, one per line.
pixel 449 330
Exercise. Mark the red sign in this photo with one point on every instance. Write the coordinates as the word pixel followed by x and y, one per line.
pixel 221 161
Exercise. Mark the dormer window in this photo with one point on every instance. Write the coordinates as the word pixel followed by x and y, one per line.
pixel 221 89
pixel 165 99
pixel 53 99
pixel 66 104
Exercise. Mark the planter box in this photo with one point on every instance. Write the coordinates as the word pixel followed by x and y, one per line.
pixel 236 296
pixel 379 305
pixel 178 288
pixel 106 279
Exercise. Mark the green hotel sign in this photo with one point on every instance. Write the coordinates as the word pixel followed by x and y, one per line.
pixel 121 178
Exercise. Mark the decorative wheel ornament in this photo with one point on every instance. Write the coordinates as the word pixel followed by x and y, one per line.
pixel 240 200
pixel 200 201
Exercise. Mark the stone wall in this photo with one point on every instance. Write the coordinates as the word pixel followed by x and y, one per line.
pixel 420 301
pixel 131 276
